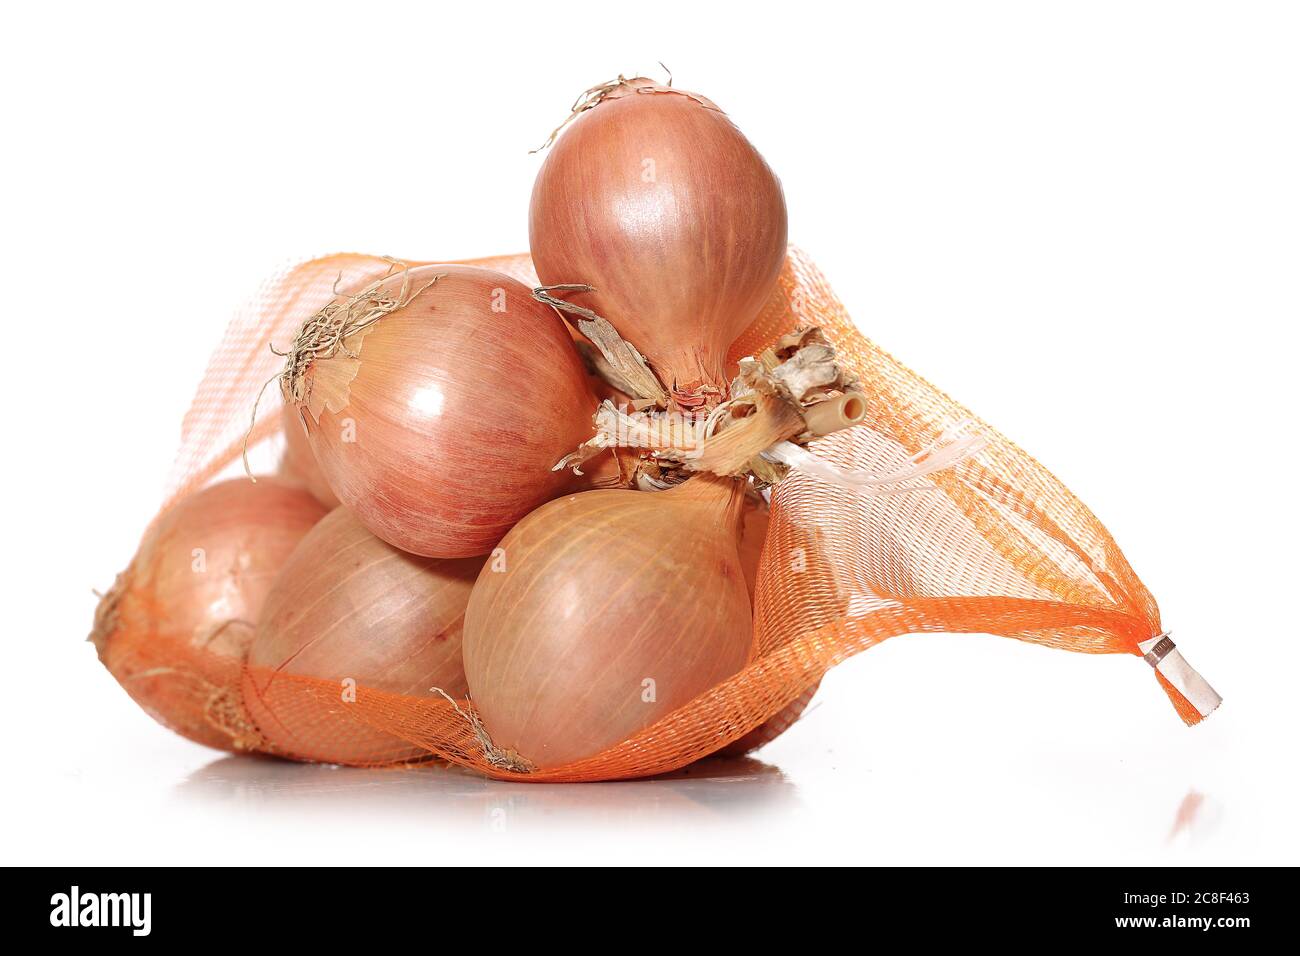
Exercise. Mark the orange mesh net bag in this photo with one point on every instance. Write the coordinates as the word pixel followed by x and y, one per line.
pixel 997 545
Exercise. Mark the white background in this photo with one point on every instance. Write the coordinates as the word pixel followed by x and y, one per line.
pixel 1079 219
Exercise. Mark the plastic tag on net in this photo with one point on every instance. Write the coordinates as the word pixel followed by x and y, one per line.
pixel 1161 653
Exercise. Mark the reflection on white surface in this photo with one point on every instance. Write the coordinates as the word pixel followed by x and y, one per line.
pixel 1188 811
pixel 1196 818
pixel 926 750
pixel 708 791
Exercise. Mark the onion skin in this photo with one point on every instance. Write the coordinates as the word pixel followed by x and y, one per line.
pixel 658 201
pixel 176 627
pixel 348 605
pixel 299 463
pixel 602 591
pixel 447 433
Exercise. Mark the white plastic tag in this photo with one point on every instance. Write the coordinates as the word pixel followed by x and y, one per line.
pixel 1161 654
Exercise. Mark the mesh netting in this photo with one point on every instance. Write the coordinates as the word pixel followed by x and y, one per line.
pixel 998 546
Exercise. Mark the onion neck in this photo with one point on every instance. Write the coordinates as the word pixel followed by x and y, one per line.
pixel 694 377
pixel 723 498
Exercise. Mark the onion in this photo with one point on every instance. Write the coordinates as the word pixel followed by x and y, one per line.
pixel 354 611
pixel 175 627
pixel 299 463
pixel 606 611
pixel 654 198
pixel 436 401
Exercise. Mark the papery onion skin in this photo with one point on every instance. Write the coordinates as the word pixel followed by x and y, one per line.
pixel 659 202
pixel 461 403
pixel 595 594
pixel 176 627
pixel 299 462
pixel 349 606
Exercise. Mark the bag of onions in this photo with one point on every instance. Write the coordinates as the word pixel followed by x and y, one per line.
pixel 702 488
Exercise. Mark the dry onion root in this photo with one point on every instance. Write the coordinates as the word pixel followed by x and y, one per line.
pixel 609 610
pixel 795 391
pixel 436 400
pixel 356 614
pixel 175 627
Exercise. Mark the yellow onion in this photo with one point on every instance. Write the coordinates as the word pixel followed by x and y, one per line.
pixel 604 611
pixel 356 613
pixel 299 462
pixel 176 626
pixel 654 198
pixel 436 402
